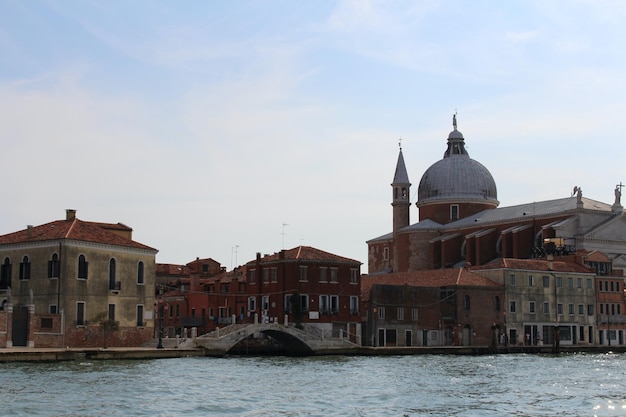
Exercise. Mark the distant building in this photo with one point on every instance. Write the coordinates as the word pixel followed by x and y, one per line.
pixel 444 307
pixel 57 278
pixel 308 287
pixel 460 223
pixel 462 226
pixel 542 294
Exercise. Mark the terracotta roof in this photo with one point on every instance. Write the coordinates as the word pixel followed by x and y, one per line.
pixel 73 229
pixel 172 269
pixel 430 278
pixel 307 253
pixel 533 265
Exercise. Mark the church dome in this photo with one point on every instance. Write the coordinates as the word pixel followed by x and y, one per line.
pixel 457 178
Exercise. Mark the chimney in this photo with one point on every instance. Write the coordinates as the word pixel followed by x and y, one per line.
pixel 29 231
pixel 70 214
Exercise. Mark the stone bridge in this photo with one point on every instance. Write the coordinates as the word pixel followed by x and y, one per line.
pixel 293 340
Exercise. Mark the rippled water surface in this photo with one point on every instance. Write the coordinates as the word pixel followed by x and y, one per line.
pixel 520 385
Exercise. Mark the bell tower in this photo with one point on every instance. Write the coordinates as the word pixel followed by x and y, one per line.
pixel 401 191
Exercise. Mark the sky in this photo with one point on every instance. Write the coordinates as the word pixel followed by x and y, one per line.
pixel 219 129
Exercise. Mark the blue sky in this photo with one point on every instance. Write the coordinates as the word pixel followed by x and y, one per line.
pixel 221 129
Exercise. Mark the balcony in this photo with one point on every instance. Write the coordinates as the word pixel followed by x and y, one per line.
pixel 115 287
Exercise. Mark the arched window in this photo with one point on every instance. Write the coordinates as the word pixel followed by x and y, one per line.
pixel 140 272
pixel 54 266
pixel 112 276
pixel 466 302
pixel 82 267
pixel 5 274
pixel 25 268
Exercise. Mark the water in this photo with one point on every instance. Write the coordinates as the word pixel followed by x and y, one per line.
pixel 428 385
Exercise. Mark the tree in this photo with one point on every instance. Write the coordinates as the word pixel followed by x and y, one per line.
pixel 107 325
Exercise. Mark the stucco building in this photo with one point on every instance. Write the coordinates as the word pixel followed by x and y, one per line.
pixel 56 278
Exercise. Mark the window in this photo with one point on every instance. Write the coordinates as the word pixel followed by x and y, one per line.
pixel 46 323
pixel 531 281
pixel 334 304
pixel 140 315
pixel 466 302
pixel 570 309
pixel 324 304
pixel 252 276
pixel 274 274
pixel 5 274
pixel 323 274
pixel 559 282
pixel 386 254
pixel 80 313
pixel 112 312
pixel 497 303
pixel 54 266
pixel 171 312
pixel 546 308
pixel 512 279
pixel 601 308
pixel 581 309
pixel 559 308
pixel 512 307
pixel 400 313
pixel 546 281
pixel 177 307
pixel 354 304
pixel 251 303
pixel 354 276
pixel 52 309
pixel 589 283
pixel 381 313
pixel 266 276
pixel 531 307
pixel 25 269
pixel 579 284
pixel 140 273
pixel 612 286
pixel 454 212
pixel 333 275
pixel 570 282
pixel 112 275
pixel 304 302
pixel 414 314
pixel 82 267
pixel 303 273
pixel 265 303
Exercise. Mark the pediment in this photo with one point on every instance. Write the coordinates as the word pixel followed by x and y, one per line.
pixel 612 230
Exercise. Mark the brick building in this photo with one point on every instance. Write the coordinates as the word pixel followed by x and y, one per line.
pixel 306 286
pixel 441 307
pixel 57 278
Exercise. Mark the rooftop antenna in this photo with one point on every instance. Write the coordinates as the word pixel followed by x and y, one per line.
pixel 283 233
pixel 233 250
pixel 400 143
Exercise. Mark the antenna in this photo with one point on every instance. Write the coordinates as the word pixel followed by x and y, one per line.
pixel 233 250
pixel 283 233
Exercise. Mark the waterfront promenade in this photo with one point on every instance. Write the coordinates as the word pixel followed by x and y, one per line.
pixel 24 354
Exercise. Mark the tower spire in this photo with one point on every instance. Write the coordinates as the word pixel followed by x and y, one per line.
pixel 401 189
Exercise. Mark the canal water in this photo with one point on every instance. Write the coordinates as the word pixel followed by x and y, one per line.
pixel 421 385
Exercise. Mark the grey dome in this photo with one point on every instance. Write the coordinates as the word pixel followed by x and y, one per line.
pixel 457 178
